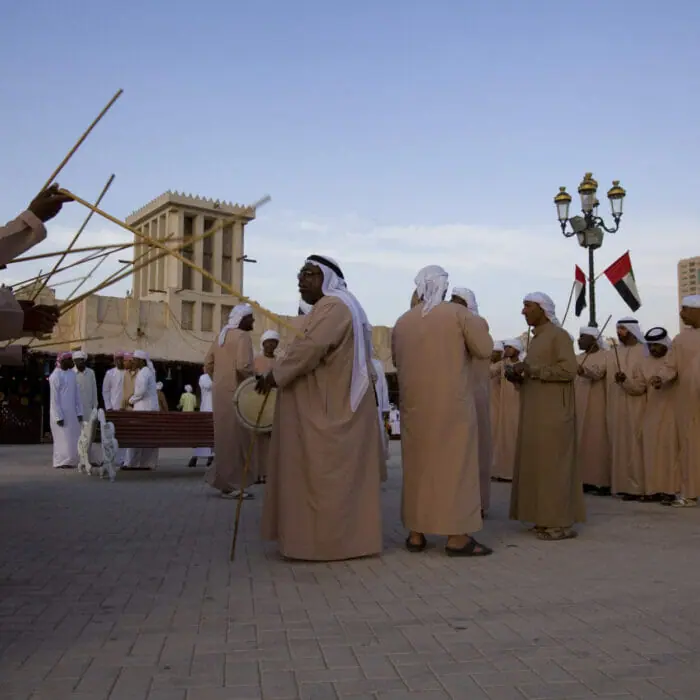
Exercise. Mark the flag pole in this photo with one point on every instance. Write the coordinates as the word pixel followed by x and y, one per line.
pixel 568 304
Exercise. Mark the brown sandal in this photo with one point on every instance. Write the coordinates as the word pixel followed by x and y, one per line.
pixel 557 534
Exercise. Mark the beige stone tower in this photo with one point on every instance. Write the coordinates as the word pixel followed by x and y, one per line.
pixel 198 303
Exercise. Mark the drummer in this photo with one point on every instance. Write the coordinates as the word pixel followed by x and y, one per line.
pixel 228 362
pixel 322 501
pixel 269 342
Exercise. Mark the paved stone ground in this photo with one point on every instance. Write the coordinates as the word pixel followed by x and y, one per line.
pixel 124 591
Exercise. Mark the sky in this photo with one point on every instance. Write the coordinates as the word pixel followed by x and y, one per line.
pixel 390 135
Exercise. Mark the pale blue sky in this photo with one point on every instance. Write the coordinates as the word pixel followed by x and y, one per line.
pixel 391 134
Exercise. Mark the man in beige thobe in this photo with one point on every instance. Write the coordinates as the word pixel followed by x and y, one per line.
pixel 547 488
pixel 23 318
pixel 322 500
pixel 434 346
pixel 508 415
pixel 626 401
pixel 262 364
pixel 683 360
pixel 662 474
pixel 228 362
pixel 482 401
pixel 593 445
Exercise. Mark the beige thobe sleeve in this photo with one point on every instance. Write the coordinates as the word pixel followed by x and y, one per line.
pixel 325 330
pixel 595 369
pixel 635 383
pixel 668 371
pixel 564 368
pixel 475 331
pixel 495 369
pixel 209 360
pixel 11 315
pixel 20 235
pixel 245 361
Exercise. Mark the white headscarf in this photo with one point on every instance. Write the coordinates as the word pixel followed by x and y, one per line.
pixel 468 296
pixel 517 344
pixel 159 386
pixel 431 286
pixel 498 346
pixel 594 332
pixel 334 286
pixel 141 355
pixel 305 308
pixel 632 325
pixel 546 304
pixel 238 313
pixel 188 388
pixel 79 355
pixel 691 302
pixel 269 335
pixel 657 335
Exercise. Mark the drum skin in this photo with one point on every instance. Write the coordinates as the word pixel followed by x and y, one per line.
pixel 247 403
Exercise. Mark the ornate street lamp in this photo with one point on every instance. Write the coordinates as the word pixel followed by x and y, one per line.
pixel 590 228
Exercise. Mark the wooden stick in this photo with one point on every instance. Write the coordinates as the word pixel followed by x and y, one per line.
pixel 79 142
pixel 597 340
pixel 67 342
pixel 54 253
pixel 568 303
pixel 89 275
pixel 75 237
pixel 262 310
pixel 133 268
pixel 95 256
pixel 246 469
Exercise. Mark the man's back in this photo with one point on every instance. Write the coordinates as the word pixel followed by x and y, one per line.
pixel 432 352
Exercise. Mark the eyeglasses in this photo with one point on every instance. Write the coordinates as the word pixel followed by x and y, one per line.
pixel 308 274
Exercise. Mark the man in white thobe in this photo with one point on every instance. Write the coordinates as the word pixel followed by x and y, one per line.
pixel 87 388
pixel 144 398
pixel 113 393
pixel 205 405
pixel 381 389
pixel 66 413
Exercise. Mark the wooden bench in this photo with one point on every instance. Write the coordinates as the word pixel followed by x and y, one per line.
pixel 162 428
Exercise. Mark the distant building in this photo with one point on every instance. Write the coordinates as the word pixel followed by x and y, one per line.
pixel 688 277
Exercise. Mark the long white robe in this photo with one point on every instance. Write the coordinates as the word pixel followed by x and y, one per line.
pixel 87 388
pixel 113 395
pixel 206 406
pixel 383 406
pixel 144 398
pixel 65 405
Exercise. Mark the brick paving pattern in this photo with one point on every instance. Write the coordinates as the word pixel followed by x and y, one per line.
pixel 124 591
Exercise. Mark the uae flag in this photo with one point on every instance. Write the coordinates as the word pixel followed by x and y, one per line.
pixel 579 290
pixel 621 277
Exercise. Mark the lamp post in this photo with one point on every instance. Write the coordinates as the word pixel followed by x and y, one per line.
pixel 589 228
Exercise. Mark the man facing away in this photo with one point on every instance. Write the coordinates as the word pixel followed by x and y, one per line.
pixel 684 361
pixel 593 444
pixel 228 362
pixel 87 387
pixel 482 402
pixel 547 488
pixel 322 500
pixel 434 345
pixel 66 413
pixel 626 401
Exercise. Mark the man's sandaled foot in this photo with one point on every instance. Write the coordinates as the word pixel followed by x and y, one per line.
pixel 471 549
pixel 414 544
pixel 556 534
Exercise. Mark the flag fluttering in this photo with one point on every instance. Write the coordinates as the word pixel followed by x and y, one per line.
pixel 621 277
pixel 579 291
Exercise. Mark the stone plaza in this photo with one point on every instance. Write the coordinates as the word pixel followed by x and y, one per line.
pixel 125 591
